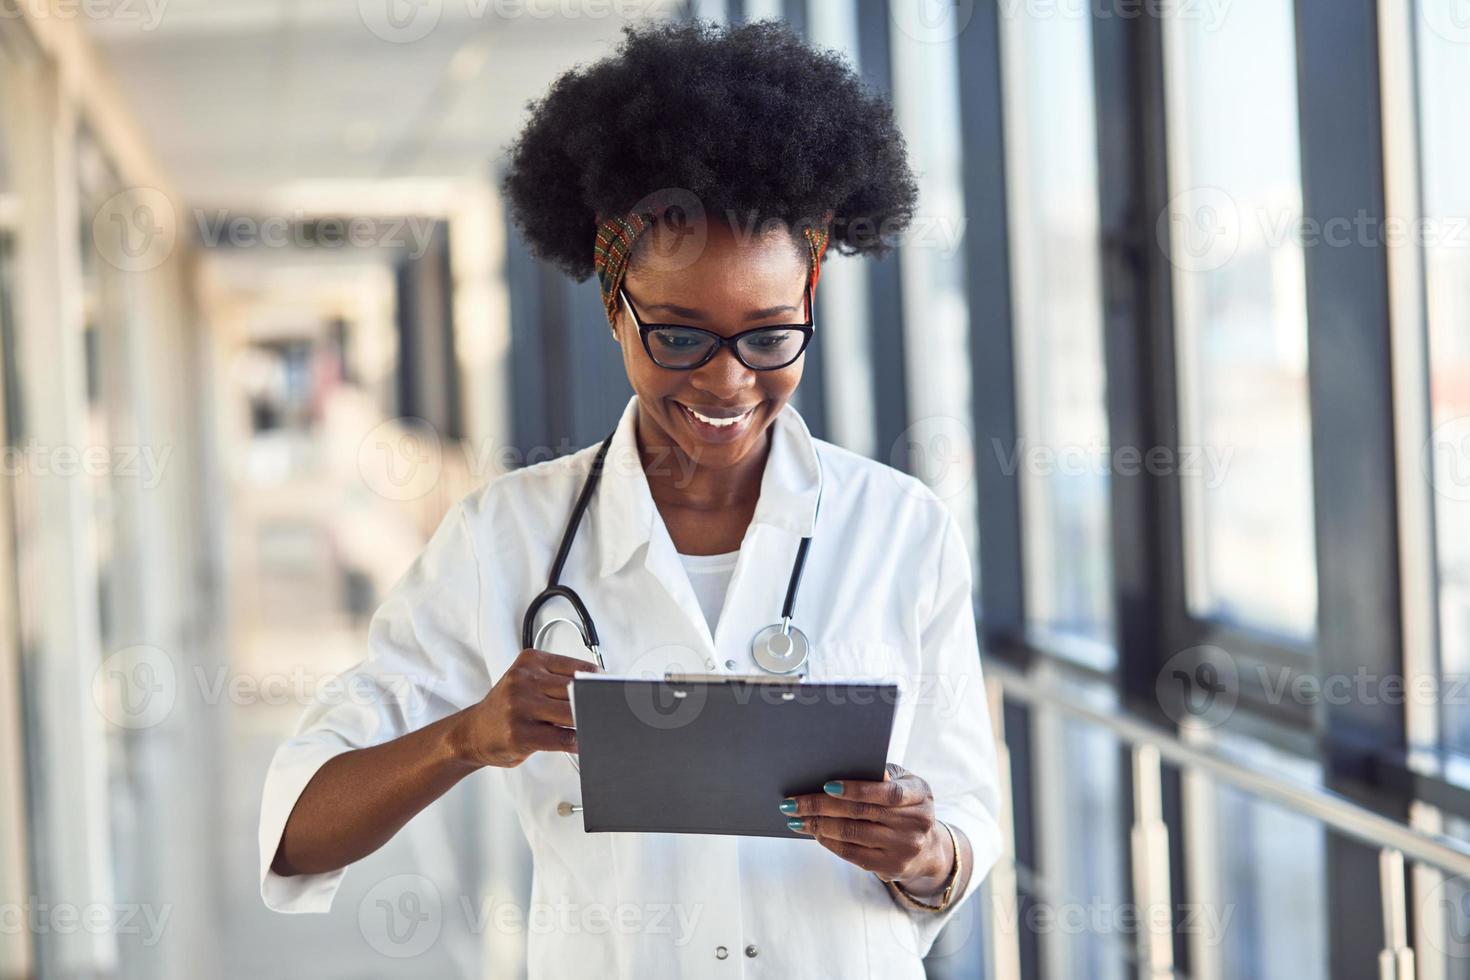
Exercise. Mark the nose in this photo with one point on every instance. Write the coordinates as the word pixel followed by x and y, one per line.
pixel 723 376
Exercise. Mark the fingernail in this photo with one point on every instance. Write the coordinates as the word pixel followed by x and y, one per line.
pixel 834 788
pixel 796 823
pixel 788 806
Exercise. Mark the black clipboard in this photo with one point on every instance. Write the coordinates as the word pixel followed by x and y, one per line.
pixel 716 754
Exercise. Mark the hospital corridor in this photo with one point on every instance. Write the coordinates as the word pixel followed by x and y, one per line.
pixel 1134 437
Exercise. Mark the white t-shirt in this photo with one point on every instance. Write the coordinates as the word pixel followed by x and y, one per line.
pixel 710 576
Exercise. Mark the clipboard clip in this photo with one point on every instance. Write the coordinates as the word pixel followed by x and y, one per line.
pixel 771 679
pixel 777 679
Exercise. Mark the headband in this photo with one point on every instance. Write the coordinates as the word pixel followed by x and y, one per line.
pixel 617 235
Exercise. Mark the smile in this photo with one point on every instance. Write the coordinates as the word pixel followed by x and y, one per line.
pixel 721 422
pixel 717 422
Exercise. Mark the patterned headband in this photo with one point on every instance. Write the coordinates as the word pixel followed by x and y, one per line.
pixel 617 235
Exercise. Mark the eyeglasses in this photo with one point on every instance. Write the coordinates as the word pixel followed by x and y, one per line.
pixel 680 347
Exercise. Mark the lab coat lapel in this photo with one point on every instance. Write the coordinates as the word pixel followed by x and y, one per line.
pixel 629 527
pixel 627 520
pixel 785 513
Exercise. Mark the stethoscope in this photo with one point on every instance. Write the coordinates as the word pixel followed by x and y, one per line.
pixel 780 648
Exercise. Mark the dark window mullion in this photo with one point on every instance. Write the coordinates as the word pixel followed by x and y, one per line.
pixel 885 290
pixel 1138 337
pixel 991 316
pixel 1353 459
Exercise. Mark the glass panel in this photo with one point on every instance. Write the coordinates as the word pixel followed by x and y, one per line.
pixel 1063 455
pixel 1445 951
pixel 1444 77
pixel 940 440
pixel 1083 920
pixel 1235 213
pixel 1269 919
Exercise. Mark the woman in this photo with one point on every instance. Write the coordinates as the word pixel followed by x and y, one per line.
pixel 685 171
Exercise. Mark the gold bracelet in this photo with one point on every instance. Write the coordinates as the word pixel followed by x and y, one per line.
pixel 949 884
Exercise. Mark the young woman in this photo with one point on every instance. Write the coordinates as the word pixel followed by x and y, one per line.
pixel 701 173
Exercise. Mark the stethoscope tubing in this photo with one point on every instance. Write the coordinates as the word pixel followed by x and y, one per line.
pixel 587 627
pixel 530 637
pixel 553 587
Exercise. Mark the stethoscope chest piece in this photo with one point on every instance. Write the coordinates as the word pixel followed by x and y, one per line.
pixel 780 648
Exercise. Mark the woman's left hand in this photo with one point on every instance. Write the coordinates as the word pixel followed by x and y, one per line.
pixel 886 827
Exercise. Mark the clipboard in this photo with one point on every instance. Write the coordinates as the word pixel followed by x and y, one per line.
pixel 716 753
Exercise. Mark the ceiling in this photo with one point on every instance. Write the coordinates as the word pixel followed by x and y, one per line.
pixel 251 102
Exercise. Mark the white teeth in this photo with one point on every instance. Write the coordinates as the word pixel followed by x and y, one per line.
pixel 718 423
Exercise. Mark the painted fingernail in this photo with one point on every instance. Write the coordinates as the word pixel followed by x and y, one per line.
pixel 796 823
pixel 788 806
pixel 834 788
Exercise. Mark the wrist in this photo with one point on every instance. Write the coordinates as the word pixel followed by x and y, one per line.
pixel 458 743
pixel 931 879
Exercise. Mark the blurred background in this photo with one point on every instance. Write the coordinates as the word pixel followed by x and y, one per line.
pixel 1181 333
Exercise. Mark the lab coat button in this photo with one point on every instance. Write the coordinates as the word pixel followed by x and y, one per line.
pixel 751 951
pixel 721 952
pixel 729 665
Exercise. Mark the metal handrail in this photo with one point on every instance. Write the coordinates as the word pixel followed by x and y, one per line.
pixel 1338 812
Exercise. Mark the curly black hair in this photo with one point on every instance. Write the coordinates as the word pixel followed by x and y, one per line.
pixel 751 120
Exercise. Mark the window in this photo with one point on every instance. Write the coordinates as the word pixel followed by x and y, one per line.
pixel 1233 225
pixel 842 306
pixel 1062 455
pixel 940 436
pixel 1082 923
pixel 1446 931
pixel 1257 875
pixel 1444 77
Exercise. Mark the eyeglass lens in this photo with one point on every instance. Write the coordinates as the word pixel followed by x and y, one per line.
pixel 680 347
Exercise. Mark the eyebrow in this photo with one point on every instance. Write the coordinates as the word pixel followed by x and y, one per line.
pixel 693 314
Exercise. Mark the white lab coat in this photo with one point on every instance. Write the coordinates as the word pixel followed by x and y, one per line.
pixel 886 593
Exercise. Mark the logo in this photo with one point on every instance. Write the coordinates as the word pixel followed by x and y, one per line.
pixel 1445 910
pixel 677 239
pixel 1198 687
pixel 135 229
pixel 400 21
pixel 401 916
pixel 662 706
pixel 136 687
pixel 939 450
pixel 1446 459
pixel 932 21
pixel 401 459
pixel 1199 229
pixel 1450 19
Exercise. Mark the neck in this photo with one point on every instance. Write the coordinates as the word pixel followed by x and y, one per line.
pixel 675 479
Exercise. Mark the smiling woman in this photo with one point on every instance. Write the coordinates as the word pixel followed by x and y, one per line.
pixel 710 170
pixel 702 173
pixel 786 152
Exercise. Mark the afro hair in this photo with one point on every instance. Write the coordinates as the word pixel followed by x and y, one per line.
pixel 750 120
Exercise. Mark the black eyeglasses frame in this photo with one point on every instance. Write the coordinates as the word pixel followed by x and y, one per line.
pixel 806 329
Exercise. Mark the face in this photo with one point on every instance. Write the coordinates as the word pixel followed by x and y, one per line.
pixel 732 286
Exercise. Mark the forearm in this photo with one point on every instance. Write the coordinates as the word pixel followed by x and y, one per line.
pixel 358 800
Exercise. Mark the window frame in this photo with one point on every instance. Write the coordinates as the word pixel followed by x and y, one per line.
pixel 1361 748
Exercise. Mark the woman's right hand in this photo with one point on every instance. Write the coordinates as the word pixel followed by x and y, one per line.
pixel 528 710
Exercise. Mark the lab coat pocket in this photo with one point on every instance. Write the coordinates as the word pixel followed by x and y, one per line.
pixel 872 660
